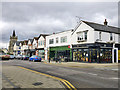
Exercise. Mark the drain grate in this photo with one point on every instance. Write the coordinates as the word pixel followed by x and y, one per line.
pixel 37 83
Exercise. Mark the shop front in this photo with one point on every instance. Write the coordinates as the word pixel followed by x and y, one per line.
pixel 62 53
pixel 93 53
pixel 41 53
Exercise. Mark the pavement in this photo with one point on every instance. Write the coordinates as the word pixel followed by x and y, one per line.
pixel 85 65
pixel 15 77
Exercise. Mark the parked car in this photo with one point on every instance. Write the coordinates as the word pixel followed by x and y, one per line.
pixel 5 57
pixel 25 57
pixel 12 57
pixel 18 56
pixel 35 58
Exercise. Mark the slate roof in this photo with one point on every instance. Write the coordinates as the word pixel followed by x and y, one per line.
pixel 105 28
pixel 31 40
pixel 44 35
pixel 36 38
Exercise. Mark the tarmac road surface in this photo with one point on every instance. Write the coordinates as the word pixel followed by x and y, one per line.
pixel 87 77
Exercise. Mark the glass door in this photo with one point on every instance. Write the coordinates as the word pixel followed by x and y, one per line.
pixel 93 55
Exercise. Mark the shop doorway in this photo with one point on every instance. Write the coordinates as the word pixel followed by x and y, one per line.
pixel 114 55
pixel 94 55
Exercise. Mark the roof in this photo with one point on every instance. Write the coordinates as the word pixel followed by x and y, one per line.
pixel 25 42
pixel 63 31
pixel 31 40
pixel 36 38
pixel 105 28
pixel 22 42
pixel 17 43
pixel 44 35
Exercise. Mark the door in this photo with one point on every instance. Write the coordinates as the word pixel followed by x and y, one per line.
pixel 94 55
pixel 115 55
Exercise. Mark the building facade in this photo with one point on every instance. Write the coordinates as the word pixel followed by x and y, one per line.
pixel 40 51
pixel 58 46
pixel 92 42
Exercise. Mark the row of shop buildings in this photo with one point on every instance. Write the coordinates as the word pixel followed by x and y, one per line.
pixel 87 42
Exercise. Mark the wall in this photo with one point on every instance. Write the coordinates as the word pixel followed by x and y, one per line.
pixel 59 35
pixel 105 37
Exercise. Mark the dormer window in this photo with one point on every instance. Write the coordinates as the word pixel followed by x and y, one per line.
pixel 85 35
pixel 82 36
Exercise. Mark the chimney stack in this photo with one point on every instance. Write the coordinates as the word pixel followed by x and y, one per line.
pixel 105 23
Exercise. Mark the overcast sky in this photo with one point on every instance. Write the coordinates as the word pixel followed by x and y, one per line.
pixel 33 18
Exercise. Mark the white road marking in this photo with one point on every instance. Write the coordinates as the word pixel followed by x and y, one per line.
pixel 114 78
pixel 115 69
pixel 93 74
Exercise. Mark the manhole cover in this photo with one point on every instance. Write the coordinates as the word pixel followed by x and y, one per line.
pixel 37 83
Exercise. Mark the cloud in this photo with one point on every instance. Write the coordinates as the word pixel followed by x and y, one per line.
pixel 29 19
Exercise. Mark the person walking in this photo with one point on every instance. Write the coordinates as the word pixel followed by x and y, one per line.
pixel 49 60
pixel 60 59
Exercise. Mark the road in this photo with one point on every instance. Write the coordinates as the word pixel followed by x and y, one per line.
pixel 78 77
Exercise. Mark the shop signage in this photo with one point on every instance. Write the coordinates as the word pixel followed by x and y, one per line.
pixel 68 46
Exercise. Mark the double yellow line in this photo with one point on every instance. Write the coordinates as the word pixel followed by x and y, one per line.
pixel 67 83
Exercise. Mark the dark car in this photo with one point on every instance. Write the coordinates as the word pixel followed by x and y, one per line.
pixel 25 57
pixel 18 56
pixel 5 57
pixel 12 57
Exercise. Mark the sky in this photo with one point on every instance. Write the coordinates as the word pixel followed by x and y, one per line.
pixel 30 19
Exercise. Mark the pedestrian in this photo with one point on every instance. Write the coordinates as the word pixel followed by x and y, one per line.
pixel 49 60
pixel 56 60
pixel 60 59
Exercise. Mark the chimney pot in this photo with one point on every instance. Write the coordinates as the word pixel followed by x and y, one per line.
pixel 105 23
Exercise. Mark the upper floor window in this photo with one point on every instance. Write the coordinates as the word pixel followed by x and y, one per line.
pixel 111 37
pixel 43 43
pixel 64 39
pixel 99 35
pixel 85 35
pixel 51 41
pixel 81 36
pixel 40 43
pixel 57 40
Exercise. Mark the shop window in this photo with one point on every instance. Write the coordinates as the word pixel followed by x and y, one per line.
pixel 51 41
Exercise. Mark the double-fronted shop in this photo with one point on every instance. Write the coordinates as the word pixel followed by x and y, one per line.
pixel 97 52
